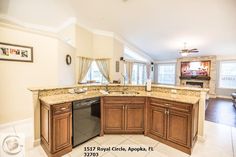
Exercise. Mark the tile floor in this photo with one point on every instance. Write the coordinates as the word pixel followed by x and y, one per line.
pixel 220 142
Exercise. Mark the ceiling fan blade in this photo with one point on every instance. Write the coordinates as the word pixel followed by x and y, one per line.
pixel 194 49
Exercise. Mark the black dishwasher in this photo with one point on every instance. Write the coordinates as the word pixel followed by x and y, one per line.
pixel 86 120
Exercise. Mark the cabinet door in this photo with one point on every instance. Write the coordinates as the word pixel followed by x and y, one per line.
pixel 178 127
pixel 62 131
pixel 157 121
pixel 113 117
pixel 134 117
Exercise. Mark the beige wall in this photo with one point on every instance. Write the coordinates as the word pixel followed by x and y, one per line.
pixel 16 77
pixel 66 73
pixel 118 52
pixel 84 42
pixel 103 46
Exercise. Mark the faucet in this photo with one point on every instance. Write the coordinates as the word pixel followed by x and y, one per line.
pixel 107 87
pixel 123 82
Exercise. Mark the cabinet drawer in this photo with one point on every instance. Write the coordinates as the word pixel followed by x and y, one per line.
pixel 180 107
pixel 61 108
pixel 159 102
pixel 139 100
pixel 170 104
pixel 119 100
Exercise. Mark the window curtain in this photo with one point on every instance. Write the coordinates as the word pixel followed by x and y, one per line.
pixel 84 65
pixel 104 67
pixel 129 71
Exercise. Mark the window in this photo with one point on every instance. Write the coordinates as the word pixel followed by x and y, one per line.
pixel 139 74
pixel 166 73
pixel 94 74
pixel 131 54
pixel 227 76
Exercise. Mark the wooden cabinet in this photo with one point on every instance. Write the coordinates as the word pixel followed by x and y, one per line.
pixel 56 129
pixel 178 127
pixel 123 115
pixel 114 120
pixel 157 121
pixel 61 131
pixel 169 122
pixel 173 123
pixel 134 117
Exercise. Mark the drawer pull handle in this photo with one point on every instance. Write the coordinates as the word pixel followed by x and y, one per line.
pixel 63 108
pixel 167 104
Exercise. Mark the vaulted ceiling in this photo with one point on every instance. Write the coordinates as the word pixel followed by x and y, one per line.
pixel 158 27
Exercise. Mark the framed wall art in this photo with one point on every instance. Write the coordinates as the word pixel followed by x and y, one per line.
pixel 12 52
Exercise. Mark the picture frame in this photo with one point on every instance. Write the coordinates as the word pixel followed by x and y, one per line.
pixel 13 52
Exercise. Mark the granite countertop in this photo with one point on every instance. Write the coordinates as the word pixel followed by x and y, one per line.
pixel 117 85
pixel 62 98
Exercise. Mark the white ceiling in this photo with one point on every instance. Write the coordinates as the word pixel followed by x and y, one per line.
pixel 158 27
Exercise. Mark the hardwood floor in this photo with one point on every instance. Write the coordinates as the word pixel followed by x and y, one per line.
pixel 221 111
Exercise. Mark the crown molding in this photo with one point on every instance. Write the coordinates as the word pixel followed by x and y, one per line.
pixel 70 21
pixel 103 33
pixel 29 30
pixel 34 31
pixel 12 22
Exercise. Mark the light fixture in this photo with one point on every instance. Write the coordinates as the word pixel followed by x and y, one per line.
pixel 185 51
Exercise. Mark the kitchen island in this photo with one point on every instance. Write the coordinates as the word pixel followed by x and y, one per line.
pixel 168 114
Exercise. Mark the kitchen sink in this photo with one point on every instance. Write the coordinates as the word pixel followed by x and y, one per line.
pixel 123 92
pixel 130 92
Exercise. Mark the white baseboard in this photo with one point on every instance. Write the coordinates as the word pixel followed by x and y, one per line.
pixel 224 97
pixel 11 124
pixel 36 142
pixel 201 138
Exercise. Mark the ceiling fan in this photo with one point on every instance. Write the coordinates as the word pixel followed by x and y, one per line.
pixel 185 51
